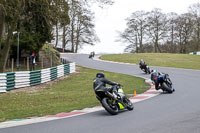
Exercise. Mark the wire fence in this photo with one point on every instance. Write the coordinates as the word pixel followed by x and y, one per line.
pixel 24 64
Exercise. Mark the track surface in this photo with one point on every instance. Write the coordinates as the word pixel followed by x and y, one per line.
pixel 167 113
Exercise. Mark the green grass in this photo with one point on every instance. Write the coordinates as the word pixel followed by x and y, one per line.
pixel 158 59
pixel 73 93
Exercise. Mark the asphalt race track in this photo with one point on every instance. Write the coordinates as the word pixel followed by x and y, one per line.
pixel 166 113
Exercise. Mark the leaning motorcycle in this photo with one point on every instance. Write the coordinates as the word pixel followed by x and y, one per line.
pixel 113 104
pixel 145 69
pixel 165 82
pixel 90 56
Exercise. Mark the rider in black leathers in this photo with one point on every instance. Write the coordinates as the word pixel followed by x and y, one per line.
pixel 92 54
pixel 143 65
pixel 100 83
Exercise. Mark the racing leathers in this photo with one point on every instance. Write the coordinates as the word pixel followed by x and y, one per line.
pixel 143 65
pixel 100 83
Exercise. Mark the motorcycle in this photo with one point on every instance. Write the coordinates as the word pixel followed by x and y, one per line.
pixel 91 55
pixel 145 69
pixel 113 104
pixel 165 82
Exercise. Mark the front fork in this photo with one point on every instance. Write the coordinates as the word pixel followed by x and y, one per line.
pixel 110 95
pixel 117 102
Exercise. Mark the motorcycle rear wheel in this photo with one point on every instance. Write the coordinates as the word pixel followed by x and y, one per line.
pixel 109 107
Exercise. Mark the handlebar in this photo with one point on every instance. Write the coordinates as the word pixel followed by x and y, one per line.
pixel 119 85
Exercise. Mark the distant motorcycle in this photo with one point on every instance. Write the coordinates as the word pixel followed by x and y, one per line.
pixel 113 104
pixel 164 81
pixel 91 55
pixel 145 69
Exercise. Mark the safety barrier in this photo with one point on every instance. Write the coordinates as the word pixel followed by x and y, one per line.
pixel 195 53
pixel 13 80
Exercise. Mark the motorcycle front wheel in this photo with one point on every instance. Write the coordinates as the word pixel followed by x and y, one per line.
pixel 109 106
pixel 128 103
pixel 148 71
pixel 167 88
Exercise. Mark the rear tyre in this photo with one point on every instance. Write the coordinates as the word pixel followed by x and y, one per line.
pixel 109 106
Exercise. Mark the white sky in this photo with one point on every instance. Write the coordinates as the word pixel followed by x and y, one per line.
pixel 112 19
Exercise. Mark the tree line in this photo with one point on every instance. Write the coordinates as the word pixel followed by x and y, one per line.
pixel 156 31
pixel 80 31
pixel 38 22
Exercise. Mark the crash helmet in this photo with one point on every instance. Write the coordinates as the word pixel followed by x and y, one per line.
pixel 142 61
pixel 100 75
pixel 154 74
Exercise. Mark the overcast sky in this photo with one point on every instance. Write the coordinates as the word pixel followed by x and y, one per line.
pixel 112 19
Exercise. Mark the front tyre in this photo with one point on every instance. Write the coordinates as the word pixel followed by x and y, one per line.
pixel 109 106
pixel 148 70
pixel 128 103
pixel 167 88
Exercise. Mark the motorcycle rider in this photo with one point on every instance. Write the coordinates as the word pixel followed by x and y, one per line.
pixel 100 83
pixel 143 65
pixel 92 54
pixel 155 76
pixel 158 77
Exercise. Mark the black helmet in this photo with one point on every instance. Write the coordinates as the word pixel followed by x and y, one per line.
pixel 100 75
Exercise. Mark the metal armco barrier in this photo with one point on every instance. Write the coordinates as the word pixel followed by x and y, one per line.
pixel 13 80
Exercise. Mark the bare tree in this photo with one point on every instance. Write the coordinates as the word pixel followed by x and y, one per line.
pixel 179 27
pixel 60 16
pixel 130 37
pixel 85 33
pixel 80 31
pixel 171 35
pixel 184 28
pixel 156 27
pixel 164 32
pixel 138 22
pixel 195 11
pixel 134 34
pixel 100 3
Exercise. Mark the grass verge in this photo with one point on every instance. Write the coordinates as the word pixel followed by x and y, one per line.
pixel 72 93
pixel 158 59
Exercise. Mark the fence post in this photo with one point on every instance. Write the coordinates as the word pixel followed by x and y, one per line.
pixel 61 60
pixel 8 62
pixel 24 61
pixel 27 63
pixel 12 64
pixel 51 60
pixel 42 65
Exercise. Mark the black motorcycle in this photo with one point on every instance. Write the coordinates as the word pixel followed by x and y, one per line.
pixel 112 103
pixel 91 55
pixel 165 82
pixel 145 69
